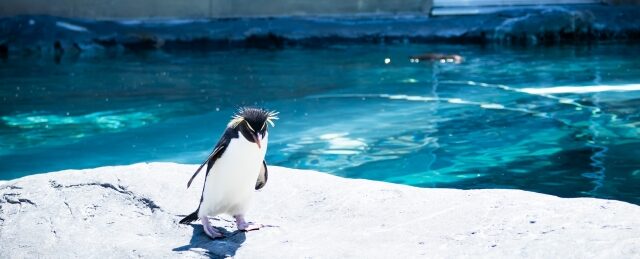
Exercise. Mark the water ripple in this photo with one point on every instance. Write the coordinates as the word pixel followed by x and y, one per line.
pixel 39 128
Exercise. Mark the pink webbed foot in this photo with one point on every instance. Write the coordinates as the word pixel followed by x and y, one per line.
pixel 246 226
pixel 209 229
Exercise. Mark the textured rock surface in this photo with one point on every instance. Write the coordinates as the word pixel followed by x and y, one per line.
pixel 131 211
pixel 537 25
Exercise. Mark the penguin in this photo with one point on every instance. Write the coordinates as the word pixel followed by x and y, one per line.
pixel 235 169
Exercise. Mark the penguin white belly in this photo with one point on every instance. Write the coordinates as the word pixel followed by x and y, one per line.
pixel 230 185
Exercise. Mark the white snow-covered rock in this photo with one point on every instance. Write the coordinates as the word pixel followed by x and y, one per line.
pixel 131 211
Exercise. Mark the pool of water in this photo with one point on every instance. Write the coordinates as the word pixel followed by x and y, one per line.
pixel 558 120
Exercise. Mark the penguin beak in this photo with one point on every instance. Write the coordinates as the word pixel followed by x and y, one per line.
pixel 256 138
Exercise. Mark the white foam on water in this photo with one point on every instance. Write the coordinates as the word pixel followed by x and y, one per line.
pixel 71 27
pixel 582 89
pixel 332 135
pixel 518 90
pixel 492 106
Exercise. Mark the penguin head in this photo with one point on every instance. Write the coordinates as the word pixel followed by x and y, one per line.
pixel 252 123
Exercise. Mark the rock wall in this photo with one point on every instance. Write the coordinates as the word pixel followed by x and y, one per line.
pixel 533 26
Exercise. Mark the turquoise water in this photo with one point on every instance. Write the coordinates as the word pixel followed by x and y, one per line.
pixel 557 120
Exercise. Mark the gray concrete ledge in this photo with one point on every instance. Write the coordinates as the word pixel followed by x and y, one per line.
pixel 197 9
pixel 132 211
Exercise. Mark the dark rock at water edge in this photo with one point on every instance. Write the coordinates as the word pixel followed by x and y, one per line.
pixel 530 26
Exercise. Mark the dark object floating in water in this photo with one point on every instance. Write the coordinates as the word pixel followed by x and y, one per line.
pixel 439 57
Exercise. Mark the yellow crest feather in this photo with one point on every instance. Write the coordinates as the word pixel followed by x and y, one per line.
pixel 235 121
pixel 271 116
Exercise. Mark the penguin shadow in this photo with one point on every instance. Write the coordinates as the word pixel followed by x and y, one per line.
pixel 214 248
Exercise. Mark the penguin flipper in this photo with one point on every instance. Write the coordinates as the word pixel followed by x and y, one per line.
pixel 212 155
pixel 190 218
pixel 262 177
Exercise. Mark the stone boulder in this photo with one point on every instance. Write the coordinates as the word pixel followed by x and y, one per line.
pixel 133 211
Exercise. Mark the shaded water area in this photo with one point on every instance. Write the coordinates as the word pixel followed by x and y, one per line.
pixel 560 120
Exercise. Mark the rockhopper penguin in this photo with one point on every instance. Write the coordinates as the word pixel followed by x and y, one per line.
pixel 235 168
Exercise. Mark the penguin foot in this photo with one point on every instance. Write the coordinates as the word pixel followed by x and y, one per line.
pixel 246 226
pixel 210 230
pixel 249 226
